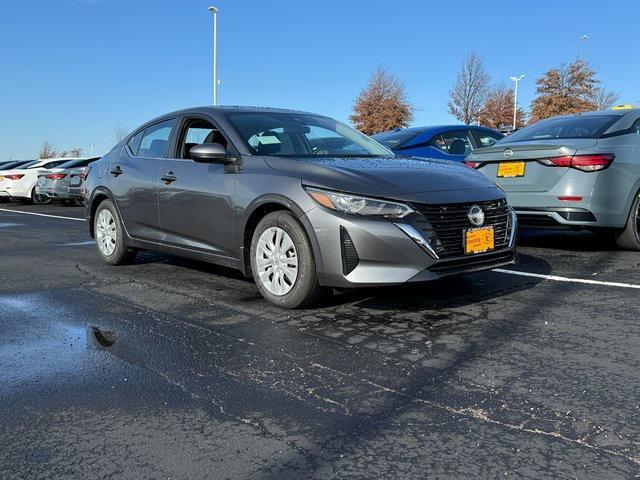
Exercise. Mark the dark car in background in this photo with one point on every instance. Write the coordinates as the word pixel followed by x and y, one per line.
pixel 577 171
pixel 299 201
pixel 447 142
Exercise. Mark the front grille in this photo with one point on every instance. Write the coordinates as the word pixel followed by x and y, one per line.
pixel 444 225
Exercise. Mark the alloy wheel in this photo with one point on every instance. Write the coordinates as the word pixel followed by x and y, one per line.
pixel 277 261
pixel 106 233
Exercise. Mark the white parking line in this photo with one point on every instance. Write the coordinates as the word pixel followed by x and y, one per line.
pixel 41 214
pixel 566 279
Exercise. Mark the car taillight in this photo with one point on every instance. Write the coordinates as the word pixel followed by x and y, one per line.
pixel 15 176
pixel 56 176
pixel 586 163
pixel 85 172
pixel 471 164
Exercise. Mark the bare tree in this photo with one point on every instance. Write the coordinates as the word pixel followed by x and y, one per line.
pixel 564 90
pixel 604 99
pixel 470 90
pixel 47 150
pixel 119 133
pixel 383 105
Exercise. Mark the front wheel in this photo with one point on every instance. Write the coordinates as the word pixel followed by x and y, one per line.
pixel 629 238
pixel 282 262
pixel 109 234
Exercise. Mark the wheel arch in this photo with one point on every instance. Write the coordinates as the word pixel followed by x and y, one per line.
pixel 257 211
pixel 97 197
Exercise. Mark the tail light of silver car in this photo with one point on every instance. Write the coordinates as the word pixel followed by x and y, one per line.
pixel 56 176
pixel 585 163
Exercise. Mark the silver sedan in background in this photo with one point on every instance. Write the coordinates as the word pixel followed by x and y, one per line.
pixel 60 183
pixel 578 171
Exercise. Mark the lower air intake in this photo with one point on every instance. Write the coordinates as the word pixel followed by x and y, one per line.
pixel 350 257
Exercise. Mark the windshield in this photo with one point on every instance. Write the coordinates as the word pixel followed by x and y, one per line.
pixel 302 135
pixel 566 127
pixel 17 164
pixel 395 139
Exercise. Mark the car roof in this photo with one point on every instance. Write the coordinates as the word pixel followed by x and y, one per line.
pixel 224 109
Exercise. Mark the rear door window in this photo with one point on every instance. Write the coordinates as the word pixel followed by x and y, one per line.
pixel 453 143
pixel 155 139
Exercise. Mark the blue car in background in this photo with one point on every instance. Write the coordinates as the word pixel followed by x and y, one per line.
pixel 448 142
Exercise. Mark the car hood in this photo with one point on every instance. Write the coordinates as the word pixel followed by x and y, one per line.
pixel 403 178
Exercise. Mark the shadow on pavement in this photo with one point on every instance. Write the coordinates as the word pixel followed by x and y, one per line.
pixel 575 241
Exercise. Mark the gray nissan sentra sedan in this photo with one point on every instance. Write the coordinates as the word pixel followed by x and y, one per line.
pixel 578 171
pixel 298 201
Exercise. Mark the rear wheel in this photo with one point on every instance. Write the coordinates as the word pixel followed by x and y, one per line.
pixel 109 234
pixel 282 262
pixel 629 238
pixel 39 199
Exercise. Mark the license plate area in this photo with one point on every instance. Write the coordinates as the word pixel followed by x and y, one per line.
pixel 511 169
pixel 479 240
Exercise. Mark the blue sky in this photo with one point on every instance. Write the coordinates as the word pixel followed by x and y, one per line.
pixel 74 70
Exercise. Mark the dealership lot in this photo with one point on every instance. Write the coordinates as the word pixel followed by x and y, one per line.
pixel 174 368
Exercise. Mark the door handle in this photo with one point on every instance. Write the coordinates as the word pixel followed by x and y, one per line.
pixel 168 178
pixel 116 171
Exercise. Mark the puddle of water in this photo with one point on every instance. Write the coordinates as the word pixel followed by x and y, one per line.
pixel 8 224
pixel 77 244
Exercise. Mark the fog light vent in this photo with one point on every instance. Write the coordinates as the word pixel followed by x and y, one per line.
pixel 350 257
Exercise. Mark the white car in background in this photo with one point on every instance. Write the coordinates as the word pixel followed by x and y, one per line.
pixel 19 182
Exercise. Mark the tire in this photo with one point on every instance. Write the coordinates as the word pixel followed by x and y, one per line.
pixel 304 290
pixel 629 238
pixel 109 234
pixel 38 199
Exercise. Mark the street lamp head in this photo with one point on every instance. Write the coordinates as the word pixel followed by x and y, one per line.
pixel 213 9
pixel 516 79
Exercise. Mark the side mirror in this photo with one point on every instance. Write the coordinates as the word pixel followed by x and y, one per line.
pixel 209 153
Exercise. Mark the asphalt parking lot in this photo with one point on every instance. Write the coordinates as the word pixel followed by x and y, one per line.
pixel 171 368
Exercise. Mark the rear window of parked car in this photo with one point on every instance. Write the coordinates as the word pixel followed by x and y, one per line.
pixel 394 140
pixel 567 127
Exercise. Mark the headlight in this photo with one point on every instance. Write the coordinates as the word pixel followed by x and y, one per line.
pixel 356 205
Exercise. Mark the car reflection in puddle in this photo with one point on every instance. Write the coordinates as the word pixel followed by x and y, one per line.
pixel 108 342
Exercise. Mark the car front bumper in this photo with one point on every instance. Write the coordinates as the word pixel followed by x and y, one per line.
pixel 387 253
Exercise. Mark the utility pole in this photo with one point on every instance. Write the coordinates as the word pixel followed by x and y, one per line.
pixel 214 11
pixel 515 99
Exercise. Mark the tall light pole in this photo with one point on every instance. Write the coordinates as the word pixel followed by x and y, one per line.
pixel 214 10
pixel 515 99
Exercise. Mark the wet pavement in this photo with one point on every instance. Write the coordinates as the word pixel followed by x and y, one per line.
pixel 171 368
